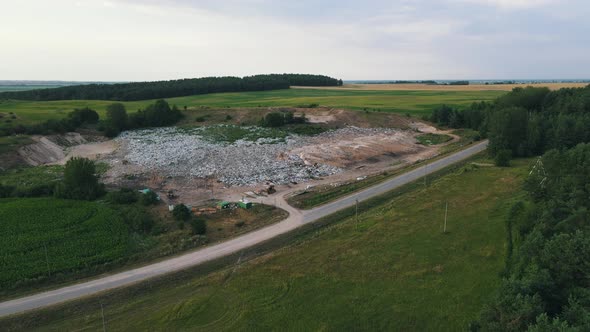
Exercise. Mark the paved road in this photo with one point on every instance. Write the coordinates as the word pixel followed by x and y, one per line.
pixel 296 219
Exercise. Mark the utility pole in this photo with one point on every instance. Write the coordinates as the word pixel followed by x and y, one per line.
pixel 104 326
pixel 47 260
pixel 357 210
pixel 446 213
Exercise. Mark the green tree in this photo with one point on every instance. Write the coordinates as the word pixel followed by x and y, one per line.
pixel 199 226
pixel 181 212
pixel 502 158
pixel 80 180
pixel 117 118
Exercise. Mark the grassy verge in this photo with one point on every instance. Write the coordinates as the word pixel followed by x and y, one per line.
pixel 394 270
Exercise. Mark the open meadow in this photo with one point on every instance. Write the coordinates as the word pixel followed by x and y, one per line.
pixel 393 270
pixel 406 102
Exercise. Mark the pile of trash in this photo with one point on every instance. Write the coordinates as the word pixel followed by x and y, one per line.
pixel 176 152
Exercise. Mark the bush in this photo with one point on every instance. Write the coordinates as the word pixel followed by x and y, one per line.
pixel 83 115
pixel 181 212
pixel 274 119
pixel 149 198
pixel 502 158
pixel 6 191
pixel 199 226
pixel 123 196
pixel 240 224
pixel 138 220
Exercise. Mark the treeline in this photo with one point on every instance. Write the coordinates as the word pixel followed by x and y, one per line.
pixel 173 88
pixel 527 121
pixel 74 120
pixel 546 285
pixel 158 114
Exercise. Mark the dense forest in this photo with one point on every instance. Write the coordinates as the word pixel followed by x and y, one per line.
pixel 174 88
pixel 546 282
pixel 527 121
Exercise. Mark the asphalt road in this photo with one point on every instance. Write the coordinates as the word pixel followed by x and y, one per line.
pixel 296 219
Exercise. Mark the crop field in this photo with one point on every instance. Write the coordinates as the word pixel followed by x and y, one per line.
pixel 435 87
pixel 393 270
pixel 44 237
pixel 410 102
pixel 29 177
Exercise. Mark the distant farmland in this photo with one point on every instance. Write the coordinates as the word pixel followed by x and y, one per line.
pixel 406 102
pixel 434 87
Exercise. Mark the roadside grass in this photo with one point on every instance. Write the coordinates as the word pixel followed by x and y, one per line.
pixel 411 102
pixel 393 270
pixel 433 139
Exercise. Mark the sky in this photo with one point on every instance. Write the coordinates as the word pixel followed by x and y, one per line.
pixel 138 40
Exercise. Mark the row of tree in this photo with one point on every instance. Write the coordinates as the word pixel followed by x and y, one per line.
pixel 546 285
pixel 527 121
pixel 546 282
pixel 157 114
pixel 173 88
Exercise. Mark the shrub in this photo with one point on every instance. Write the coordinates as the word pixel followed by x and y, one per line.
pixel 123 196
pixel 274 119
pixel 502 158
pixel 6 191
pixel 199 226
pixel 149 198
pixel 240 224
pixel 138 220
pixel 181 212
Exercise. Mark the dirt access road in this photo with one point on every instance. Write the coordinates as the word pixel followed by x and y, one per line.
pixel 296 219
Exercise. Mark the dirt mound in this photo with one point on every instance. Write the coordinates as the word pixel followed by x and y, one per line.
pixel 57 149
pixel 352 145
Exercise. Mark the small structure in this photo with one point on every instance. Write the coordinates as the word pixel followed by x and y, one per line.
pixel 244 204
pixel 147 190
pixel 223 205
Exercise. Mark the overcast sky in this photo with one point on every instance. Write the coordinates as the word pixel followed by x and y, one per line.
pixel 125 40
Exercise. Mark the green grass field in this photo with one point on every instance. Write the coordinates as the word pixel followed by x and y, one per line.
pixel 395 270
pixel 45 236
pixel 411 102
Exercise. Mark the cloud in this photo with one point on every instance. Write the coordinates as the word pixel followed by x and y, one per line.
pixel 374 39
pixel 510 4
